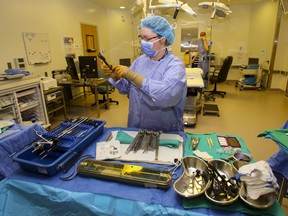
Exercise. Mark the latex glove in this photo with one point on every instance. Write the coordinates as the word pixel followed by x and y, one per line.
pixel 120 71
pixel 109 73
pixel 123 71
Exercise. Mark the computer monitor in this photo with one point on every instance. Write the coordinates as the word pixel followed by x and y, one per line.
pixel 88 67
pixel 71 68
pixel 253 63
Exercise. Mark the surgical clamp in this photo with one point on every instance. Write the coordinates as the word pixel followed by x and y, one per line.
pixel 40 144
pixel 173 170
pixel 111 68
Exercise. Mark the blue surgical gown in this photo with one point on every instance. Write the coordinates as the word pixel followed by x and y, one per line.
pixel 165 81
pixel 204 60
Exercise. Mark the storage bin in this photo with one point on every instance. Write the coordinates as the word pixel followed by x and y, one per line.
pixel 67 147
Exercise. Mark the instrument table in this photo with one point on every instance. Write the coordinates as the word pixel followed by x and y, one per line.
pixel 36 194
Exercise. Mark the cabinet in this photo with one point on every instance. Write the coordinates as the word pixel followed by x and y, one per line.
pixel 54 100
pixel 22 100
pixel 7 110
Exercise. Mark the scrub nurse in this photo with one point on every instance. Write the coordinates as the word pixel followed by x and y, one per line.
pixel 203 54
pixel 159 74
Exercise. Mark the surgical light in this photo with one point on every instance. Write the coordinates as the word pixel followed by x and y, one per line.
pixel 173 4
pixel 219 9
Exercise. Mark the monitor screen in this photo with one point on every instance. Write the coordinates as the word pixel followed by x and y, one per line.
pixel 71 68
pixel 88 66
pixel 253 61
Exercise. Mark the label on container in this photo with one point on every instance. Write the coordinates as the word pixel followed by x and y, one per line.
pixel 42 170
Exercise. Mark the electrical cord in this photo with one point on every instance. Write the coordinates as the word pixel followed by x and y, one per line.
pixel 74 172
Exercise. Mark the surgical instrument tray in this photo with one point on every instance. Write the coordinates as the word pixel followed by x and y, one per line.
pixel 57 148
pixel 127 173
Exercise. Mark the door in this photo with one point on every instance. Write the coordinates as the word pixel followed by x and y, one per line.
pixel 90 41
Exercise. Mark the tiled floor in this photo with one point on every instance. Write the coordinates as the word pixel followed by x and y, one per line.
pixel 244 113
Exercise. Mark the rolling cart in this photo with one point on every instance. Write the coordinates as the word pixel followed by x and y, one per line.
pixel 251 79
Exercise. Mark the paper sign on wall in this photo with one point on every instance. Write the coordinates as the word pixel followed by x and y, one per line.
pixel 37 47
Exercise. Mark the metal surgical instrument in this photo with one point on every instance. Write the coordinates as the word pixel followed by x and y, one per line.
pixel 173 170
pixel 40 144
pixel 40 135
pixel 111 68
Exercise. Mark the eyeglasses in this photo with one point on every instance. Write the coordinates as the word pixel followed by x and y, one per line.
pixel 148 39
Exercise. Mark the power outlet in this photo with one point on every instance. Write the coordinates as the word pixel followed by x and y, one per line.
pixel 20 63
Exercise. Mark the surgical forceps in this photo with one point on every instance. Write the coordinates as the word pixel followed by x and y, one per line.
pixel 111 68
pixel 173 170
pixel 40 144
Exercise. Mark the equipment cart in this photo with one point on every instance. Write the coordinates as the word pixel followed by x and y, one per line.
pixel 251 79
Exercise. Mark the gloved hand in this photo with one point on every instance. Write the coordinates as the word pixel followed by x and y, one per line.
pixel 120 71
pixel 123 71
pixel 109 73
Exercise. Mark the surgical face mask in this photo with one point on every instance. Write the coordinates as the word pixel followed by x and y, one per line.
pixel 147 48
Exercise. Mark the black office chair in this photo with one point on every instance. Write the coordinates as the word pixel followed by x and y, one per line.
pixel 219 76
pixel 103 91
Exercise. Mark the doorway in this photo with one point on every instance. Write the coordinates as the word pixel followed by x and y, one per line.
pixel 90 41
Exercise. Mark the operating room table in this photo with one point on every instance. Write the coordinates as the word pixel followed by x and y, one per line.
pixel 195 85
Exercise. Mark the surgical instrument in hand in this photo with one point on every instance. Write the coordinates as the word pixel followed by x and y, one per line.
pixel 111 68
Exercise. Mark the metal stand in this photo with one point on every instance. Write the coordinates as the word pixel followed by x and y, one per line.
pixel 211 109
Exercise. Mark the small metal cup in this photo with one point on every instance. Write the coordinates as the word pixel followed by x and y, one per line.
pixel 238 163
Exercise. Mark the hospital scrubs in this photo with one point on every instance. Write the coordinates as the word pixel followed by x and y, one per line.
pixel 204 60
pixel 165 81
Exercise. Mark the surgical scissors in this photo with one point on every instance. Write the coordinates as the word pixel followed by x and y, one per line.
pixel 111 68
pixel 173 170
pixel 40 135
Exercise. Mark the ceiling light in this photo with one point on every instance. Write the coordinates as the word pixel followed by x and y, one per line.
pixel 173 4
pixel 219 9
pixel 122 7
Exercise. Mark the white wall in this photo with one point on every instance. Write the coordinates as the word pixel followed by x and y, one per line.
pixel 57 18
pixel 281 62
pixel 250 27
pixel 120 36
pixel 246 32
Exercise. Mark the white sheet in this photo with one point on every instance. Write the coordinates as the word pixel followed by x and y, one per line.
pixel 166 155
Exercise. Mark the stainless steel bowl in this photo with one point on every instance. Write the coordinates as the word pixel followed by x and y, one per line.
pixel 194 179
pixel 237 164
pixel 263 202
pixel 227 171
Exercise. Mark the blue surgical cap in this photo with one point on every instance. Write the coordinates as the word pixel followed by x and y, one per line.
pixel 160 26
